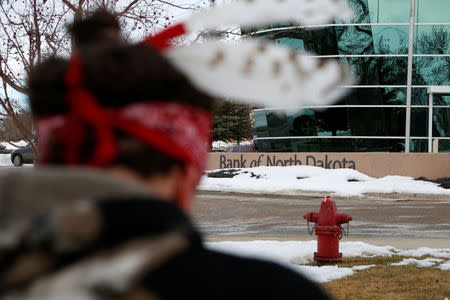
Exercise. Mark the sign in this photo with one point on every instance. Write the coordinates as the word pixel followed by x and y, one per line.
pixel 317 160
pixel 430 165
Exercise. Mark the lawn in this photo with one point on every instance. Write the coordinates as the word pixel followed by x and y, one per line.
pixel 386 281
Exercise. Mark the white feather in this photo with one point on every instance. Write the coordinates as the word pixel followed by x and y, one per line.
pixel 259 12
pixel 261 73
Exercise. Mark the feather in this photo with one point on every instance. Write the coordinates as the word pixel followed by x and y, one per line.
pixel 260 12
pixel 255 72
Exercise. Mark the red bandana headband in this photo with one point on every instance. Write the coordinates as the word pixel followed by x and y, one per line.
pixel 176 129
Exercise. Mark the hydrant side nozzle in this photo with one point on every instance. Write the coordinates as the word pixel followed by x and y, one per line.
pixel 342 218
pixel 311 217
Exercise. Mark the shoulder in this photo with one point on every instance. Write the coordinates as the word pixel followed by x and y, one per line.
pixel 273 281
pixel 211 274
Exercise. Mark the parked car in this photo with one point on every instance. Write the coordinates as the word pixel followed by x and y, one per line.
pixel 22 156
pixel 241 148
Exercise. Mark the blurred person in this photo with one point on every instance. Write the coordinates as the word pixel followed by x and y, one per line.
pixel 100 25
pixel 126 135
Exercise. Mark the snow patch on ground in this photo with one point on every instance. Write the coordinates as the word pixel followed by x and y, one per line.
pixel 5 160
pixel 427 262
pixel 297 254
pixel 445 266
pixel 292 179
pixel 422 251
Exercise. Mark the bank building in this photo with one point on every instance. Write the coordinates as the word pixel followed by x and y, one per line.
pixel 399 51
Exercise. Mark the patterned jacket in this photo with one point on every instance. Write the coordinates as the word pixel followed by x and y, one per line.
pixel 130 246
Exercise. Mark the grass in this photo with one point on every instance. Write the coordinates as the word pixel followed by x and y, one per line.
pixel 390 282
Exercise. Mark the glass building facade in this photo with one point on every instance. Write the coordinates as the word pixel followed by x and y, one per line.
pixel 401 102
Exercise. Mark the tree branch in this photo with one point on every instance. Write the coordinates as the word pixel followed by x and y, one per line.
pixel 128 8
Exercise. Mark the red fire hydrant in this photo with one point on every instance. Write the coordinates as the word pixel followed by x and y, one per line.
pixel 328 230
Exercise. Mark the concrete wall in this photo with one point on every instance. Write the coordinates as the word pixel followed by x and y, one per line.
pixel 430 165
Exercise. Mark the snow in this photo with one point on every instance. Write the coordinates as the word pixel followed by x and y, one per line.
pixel 18 144
pixel 427 262
pixel 441 253
pixel 292 179
pixel 5 160
pixel 445 266
pixel 224 144
pixel 297 254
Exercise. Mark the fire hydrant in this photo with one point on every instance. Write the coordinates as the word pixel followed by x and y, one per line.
pixel 328 230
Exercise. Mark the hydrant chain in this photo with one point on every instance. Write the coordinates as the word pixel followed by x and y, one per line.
pixel 310 231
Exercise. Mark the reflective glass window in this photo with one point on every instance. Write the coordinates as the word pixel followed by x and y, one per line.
pixel 432 39
pixel 383 39
pixel 419 96
pixel 379 70
pixel 274 145
pixel 377 121
pixel 261 128
pixel 277 123
pixel 441 122
pixel 418 145
pixel 380 145
pixel 444 146
pixel 376 96
pixel 391 39
pixel 432 11
pixel 331 145
pixel 441 99
pixel 379 11
pixel 431 70
pixel 339 122
pixel 419 122
pixel 291 42
pixel 393 11
pixel 344 40
pixel 306 39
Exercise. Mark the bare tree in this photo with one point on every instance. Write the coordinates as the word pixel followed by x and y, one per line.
pixel 32 30
pixel 434 70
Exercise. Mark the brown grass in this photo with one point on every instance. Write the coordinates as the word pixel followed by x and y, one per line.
pixel 390 282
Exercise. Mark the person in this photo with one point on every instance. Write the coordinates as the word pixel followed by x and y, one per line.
pixel 99 25
pixel 123 141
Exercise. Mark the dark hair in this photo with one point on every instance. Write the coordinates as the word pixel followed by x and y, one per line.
pixel 99 25
pixel 117 75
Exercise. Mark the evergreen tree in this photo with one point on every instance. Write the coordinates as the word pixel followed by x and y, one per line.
pixel 232 121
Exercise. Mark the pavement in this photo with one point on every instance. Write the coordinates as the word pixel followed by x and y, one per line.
pixel 400 220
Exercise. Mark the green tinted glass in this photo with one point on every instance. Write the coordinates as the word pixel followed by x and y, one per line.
pixel 336 121
pixel 444 146
pixel 432 39
pixel 418 145
pixel 376 96
pixel 419 122
pixel 379 11
pixel 331 145
pixel 441 121
pixel 432 11
pixel 379 70
pixel 431 71
pixel 441 99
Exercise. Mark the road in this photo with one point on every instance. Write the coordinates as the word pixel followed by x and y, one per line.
pixel 393 216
